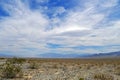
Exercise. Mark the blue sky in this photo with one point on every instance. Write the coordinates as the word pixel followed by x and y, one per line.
pixel 33 27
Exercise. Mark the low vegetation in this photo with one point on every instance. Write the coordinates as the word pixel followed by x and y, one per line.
pixel 59 69
pixel 117 70
pixel 100 76
pixel 16 60
pixel 81 79
pixel 12 68
pixel 11 71
pixel 33 65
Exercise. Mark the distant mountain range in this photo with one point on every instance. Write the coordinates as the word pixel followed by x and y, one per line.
pixel 5 55
pixel 104 55
pixel 99 55
pixel 55 55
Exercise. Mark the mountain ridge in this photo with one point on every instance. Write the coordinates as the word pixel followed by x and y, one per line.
pixel 56 55
pixel 110 54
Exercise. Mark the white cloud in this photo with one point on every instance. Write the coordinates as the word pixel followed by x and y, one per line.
pixel 58 11
pixel 109 3
pixel 25 28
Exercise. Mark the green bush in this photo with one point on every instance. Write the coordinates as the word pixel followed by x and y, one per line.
pixel 33 65
pixel 11 71
pixel 12 68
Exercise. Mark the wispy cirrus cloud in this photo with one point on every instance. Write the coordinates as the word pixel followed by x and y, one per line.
pixel 31 24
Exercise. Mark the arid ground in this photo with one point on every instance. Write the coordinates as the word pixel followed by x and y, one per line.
pixel 65 69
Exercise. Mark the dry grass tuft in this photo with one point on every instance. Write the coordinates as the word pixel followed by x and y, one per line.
pixel 100 76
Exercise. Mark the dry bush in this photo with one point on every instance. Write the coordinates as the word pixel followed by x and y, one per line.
pixel 81 79
pixel 33 65
pixel 10 70
pixel 117 70
pixel 55 66
pixel 16 60
pixel 100 76
pixel 2 58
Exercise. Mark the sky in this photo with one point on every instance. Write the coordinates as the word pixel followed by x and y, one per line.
pixel 33 27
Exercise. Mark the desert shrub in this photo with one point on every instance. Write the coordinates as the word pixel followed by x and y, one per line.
pixel 100 76
pixel 33 65
pixel 80 67
pixel 117 70
pixel 15 60
pixel 1 66
pixel 2 58
pixel 11 71
pixel 0 70
pixel 81 79
pixel 55 66
pixel 11 68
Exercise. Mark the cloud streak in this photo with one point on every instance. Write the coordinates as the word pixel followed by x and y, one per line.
pixel 29 28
